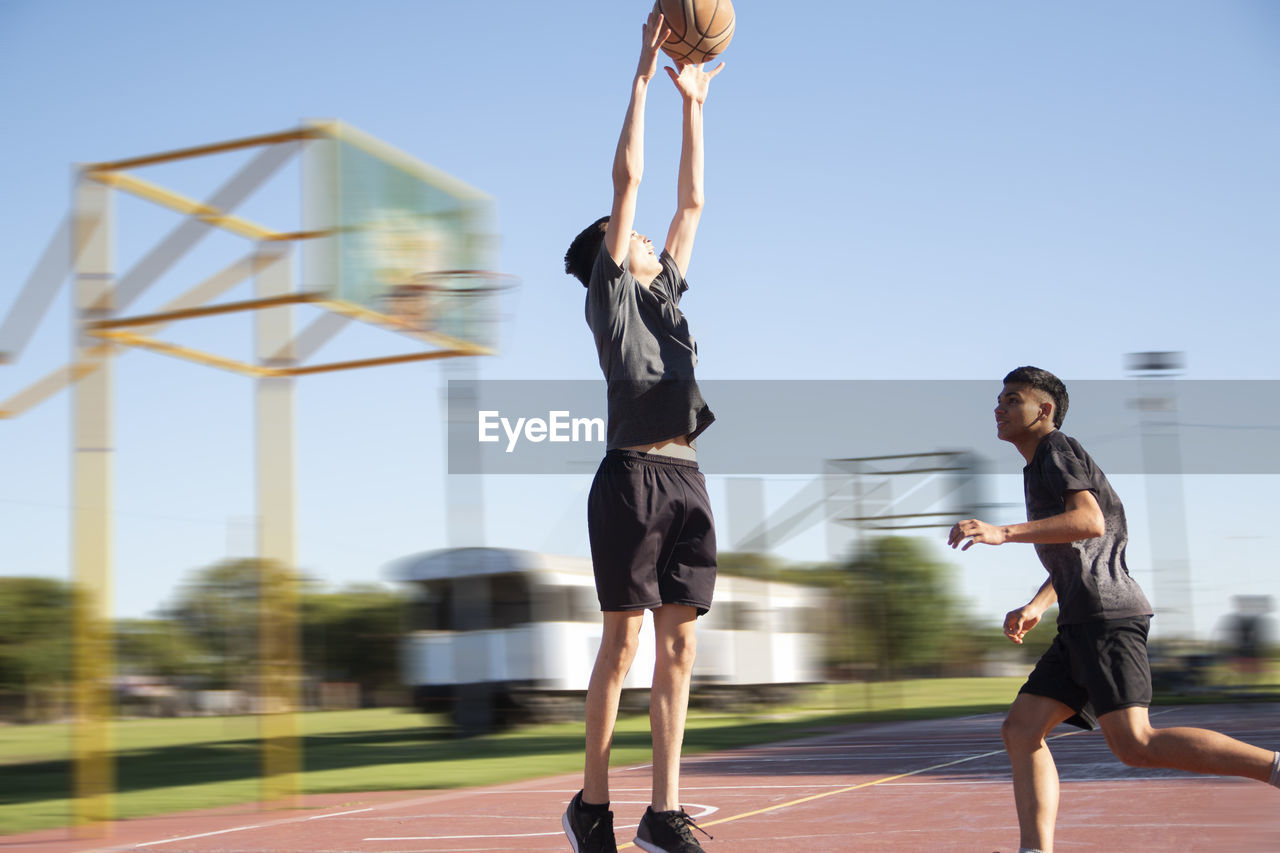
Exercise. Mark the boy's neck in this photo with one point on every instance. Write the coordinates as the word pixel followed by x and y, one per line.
pixel 1027 446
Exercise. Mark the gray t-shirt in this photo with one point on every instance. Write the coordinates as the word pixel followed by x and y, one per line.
pixel 1089 575
pixel 646 353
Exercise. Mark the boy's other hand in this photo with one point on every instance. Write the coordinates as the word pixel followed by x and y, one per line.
pixel 692 81
pixel 1018 622
pixel 655 33
pixel 975 531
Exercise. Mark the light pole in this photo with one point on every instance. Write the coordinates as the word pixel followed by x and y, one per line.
pixel 1157 405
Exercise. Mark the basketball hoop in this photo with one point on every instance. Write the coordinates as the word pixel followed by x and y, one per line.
pixel 466 281
pixel 457 303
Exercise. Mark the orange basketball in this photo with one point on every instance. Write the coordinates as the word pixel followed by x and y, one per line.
pixel 700 29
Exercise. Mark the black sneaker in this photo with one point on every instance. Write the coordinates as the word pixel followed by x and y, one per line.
pixel 588 831
pixel 668 832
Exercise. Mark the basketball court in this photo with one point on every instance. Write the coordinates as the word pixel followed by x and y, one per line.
pixel 910 786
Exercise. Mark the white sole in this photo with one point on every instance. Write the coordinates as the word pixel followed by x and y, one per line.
pixel 573 842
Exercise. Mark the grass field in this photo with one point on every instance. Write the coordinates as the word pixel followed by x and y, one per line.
pixel 171 765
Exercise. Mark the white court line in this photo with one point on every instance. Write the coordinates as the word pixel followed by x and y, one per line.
pixel 504 793
pixel 706 810
pixel 753 759
pixel 465 837
pixel 960 784
pixel 434 797
pixel 1120 783
pixel 337 814
pixel 201 835
pixel 240 829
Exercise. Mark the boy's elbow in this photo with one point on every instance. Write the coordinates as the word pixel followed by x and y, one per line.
pixel 693 202
pixel 625 178
pixel 1096 525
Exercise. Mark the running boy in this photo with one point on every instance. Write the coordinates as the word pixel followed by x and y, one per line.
pixel 1096 672
pixel 653 545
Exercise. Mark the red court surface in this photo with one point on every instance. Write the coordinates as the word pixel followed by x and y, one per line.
pixel 912 786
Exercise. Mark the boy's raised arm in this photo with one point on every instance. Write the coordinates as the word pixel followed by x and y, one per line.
pixel 628 160
pixel 692 83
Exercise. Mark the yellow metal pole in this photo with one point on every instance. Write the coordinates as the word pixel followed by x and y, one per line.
pixel 92 437
pixel 187 353
pixel 205 150
pixel 278 606
pixel 204 311
pixel 182 204
pixel 53 382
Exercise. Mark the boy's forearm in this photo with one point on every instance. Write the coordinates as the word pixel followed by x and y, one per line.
pixel 1045 597
pixel 628 161
pixel 690 189
pixel 1070 526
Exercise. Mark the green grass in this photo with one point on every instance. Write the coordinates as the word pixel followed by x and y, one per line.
pixel 177 764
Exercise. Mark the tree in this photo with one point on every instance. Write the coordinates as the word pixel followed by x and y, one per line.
pixel 35 641
pixel 219 607
pixel 899 612
pixel 354 635
pixel 157 647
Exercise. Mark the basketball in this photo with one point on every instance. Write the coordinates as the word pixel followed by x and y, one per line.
pixel 700 29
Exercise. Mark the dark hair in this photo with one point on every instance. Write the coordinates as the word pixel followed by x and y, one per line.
pixel 581 256
pixel 1042 380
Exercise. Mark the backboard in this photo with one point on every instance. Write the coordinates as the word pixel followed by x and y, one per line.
pixel 397 235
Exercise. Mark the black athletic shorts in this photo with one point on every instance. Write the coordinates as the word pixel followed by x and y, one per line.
pixel 1095 668
pixel 652 538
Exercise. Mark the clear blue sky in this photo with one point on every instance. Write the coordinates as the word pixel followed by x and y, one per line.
pixel 905 189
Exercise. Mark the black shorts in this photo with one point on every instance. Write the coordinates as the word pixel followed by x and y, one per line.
pixel 1095 668
pixel 653 541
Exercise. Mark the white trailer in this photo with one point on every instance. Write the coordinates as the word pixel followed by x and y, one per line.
pixel 498 634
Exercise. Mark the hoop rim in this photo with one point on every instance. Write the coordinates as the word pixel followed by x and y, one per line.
pixel 425 281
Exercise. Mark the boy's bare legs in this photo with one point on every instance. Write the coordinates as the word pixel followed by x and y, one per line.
pixel 674 626
pixel 1035 776
pixel 618 646
pixel 1133 740
pixel 1130 736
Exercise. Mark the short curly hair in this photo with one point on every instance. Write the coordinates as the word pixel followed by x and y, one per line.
pixel 581 256
pixel 1042 380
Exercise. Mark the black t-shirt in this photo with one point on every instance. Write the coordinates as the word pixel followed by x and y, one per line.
pixel 1089 575
pixel 646 353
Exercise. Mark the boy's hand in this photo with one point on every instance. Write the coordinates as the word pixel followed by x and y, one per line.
pixel 692 81
pixel 655 33
pixel 1018 622
pixel 976 531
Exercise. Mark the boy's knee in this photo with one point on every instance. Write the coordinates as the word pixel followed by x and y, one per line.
pixel 678 650
pixel 1011 732
pixel 620 646
pixel 683 650
pixel 1132 754
pixel 1129 748
pixel 1020 734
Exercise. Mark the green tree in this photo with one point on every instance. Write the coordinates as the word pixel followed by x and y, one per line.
pixel 749 564
pixel 219 607
pixel 899 613
pixel 157 647
pixel 35 642
pixel 354 635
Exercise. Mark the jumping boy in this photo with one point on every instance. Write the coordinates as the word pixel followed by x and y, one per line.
pixel 653 545
pixel 1096 672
